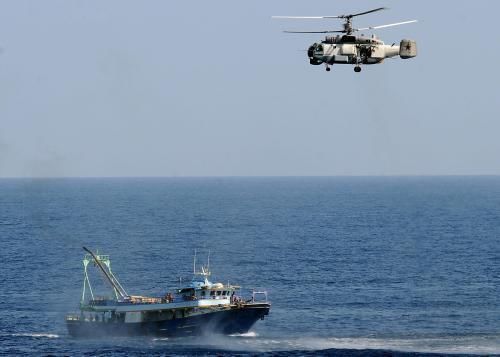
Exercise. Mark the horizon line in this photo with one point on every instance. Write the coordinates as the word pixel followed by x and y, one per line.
pixel 245 176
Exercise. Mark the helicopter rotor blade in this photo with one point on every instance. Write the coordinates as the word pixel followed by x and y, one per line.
pixel 339 31
pixel 330 17
pixel 388 25
pixel 306 17
pixel 364 12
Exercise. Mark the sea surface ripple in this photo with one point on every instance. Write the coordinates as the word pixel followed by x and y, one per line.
pixel 352 265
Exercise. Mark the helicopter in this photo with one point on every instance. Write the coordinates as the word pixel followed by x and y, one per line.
pixel 351 49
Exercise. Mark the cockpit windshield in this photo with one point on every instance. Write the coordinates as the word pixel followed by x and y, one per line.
pixel 318 49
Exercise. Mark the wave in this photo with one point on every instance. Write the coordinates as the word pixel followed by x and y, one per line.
pixel 247 334
pixel 161 339
pixel 34 334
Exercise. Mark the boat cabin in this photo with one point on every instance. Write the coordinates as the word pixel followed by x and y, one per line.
pixel 207 291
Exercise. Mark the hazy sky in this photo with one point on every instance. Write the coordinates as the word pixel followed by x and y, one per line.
pixel 203 88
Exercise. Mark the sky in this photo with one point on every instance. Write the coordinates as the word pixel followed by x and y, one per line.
pixel 215 88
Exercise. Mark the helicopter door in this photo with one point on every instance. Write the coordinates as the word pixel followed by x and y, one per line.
pixel 348 50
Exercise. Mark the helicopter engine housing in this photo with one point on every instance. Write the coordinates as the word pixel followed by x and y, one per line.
pixel 407 49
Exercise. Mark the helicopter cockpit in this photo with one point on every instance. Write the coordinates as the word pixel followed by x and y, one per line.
pixel 314 52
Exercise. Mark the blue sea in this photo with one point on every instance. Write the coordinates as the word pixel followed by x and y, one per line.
pixel 352 265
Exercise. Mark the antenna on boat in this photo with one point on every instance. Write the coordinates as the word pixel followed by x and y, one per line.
pixel 194 262
pixel 204 269
pixel 208 261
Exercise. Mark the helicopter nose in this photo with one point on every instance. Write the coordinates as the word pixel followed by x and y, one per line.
pixel 314 55
pixel 310 51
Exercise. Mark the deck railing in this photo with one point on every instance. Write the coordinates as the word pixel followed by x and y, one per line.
pixel 259 296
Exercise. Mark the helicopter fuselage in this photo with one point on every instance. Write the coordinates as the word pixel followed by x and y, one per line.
pixel 357 50
pixel 351 49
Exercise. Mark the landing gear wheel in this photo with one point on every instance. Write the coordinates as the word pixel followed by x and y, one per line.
pixel 357 69
pixel 328 69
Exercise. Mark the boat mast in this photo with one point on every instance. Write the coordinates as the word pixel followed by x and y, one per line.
pixel 111 279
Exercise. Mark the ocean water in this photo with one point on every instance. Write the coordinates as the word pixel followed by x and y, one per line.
pixel 352 265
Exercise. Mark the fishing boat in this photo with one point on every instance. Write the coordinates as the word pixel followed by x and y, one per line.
pixel 201 307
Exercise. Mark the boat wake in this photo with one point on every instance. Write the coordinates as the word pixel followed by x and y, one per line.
pixel 448 344
pixel 252 342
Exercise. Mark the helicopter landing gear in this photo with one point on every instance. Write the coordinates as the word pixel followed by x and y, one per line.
pixel 357 69
pixel 327 67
